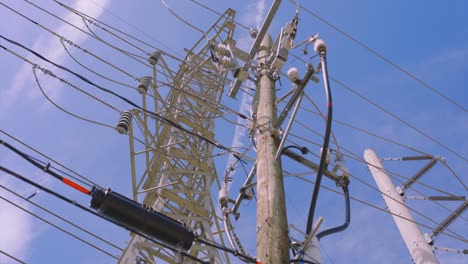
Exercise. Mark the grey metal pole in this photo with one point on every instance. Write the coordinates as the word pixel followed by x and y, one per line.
pixel 420 250
pixel 272 226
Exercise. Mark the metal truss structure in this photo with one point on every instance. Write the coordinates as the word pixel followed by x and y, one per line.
pixel 175 170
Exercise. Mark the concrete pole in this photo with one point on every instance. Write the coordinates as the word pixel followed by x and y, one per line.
pixel 420 250
pixel 272 224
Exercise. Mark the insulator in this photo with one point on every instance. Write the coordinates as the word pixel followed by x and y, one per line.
pixel 135 216
pixel 450 219
pixel 328 158
pixel 320 46
pixel 144 83
pixel 154 57
pixel 419 174
pixel 124 122
pixel 225 62
pixel 222 50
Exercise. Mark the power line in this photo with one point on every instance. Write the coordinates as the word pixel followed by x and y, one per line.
pixel 61 218
pixel 129 54
pixel 10 256
pixel 379 208
pixel 399 119
pixel 61 108
pixel 49 158
pixel 61 197
pixel 382 57
pixel 164 119
pixel 55 226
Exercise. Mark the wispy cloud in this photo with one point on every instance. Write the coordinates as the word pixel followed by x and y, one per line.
pixel 16 227
pixel 50 47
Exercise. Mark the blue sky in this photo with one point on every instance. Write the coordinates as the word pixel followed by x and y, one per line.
pixel 428 39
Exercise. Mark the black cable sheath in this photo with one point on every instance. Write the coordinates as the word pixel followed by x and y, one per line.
pixel 14 174
pixel 326 141
pixel 347 218
pixel 32 160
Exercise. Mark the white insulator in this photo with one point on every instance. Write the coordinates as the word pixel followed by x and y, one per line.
pixel 312 252
pixel 328 159
pixel 124 122
pixel 293 74
pixel 144 83
pixel 223 196
pixel 154 58
pixel 225 62
pixel 222 50
pixel 320 46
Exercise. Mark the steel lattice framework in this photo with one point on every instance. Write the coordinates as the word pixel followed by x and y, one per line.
pixel 175 170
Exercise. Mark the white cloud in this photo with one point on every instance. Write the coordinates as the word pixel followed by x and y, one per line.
pixel 22 85
pixel 16 227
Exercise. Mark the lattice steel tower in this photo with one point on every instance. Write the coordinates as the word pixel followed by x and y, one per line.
pixel 173 169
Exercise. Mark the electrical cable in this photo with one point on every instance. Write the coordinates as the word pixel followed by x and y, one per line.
pixel 79 188
pixel 380 209
pixel 347 215
pixel 401 69
pixel 136 28
pixel 53 225
pixel 326 140
pixel 46 169
pixel 219 14
pixel 402 204
pixel 183 20
pixel 244 257
pixel 395 117
pixel 61 218
pixel 22 178
pixel 89 34
pixel 49 158
pixel 215 144
pixel 62 38
pixel 61 108
pixel 398 118
pixel 12 257
pixel 302 261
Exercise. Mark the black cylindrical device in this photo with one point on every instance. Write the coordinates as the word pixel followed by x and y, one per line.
pixel 140 218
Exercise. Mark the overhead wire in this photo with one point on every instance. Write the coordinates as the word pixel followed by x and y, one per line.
pixel 219 13
pixel 63 109
pixel 164 119
pixel 12 257
pixel 183 20
pixel 55 226
pixel 62 218
pixel 71 43
pixel 380 209
pixel 87 33
pixel 61 197
pixel 382 57
pixel 402 204
pixel 399 119
pixel 398 67
pixel 136 28
pixel 51 159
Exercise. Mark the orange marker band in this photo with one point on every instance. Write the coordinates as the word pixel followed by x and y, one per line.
pixel 76 186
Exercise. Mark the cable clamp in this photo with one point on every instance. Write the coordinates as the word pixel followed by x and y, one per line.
pixel 46 167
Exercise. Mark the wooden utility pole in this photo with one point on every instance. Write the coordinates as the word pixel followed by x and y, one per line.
pixel 420 250
pixel 272 224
